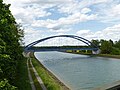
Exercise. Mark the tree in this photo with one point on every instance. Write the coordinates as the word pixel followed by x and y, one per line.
pixel 106 47
pixel 115 51
pixel 10 49
pixel 117 44
pixel 111 42
pixel 96 42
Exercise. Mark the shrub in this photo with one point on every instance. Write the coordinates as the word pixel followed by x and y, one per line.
pixel 4 85
pixel 115 51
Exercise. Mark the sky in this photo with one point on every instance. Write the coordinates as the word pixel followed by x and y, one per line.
pixel 90 19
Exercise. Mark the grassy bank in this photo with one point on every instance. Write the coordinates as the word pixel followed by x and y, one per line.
pixel 100 55
pixel 22 81
pixel 108 55
pixel 50 81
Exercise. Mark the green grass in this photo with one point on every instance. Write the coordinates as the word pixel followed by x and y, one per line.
pixel 22 81
pixel 48 79
pixel 109 55
pixel 100 55
pixel 36 83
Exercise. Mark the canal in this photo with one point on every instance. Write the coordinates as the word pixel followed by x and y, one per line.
pixel 81 72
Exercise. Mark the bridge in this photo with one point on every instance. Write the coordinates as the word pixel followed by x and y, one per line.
pixel 30 47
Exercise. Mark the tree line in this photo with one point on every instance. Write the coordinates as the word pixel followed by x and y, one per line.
pixel 108 46
pixel 10 48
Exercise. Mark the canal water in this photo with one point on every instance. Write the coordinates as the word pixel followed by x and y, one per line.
pixel 81 72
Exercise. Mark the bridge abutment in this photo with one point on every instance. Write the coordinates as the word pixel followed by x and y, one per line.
pixel 96 51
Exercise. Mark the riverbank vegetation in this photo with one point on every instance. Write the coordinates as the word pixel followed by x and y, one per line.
pixel 11 58
pixel 22 80
pixel 35 81
pixel 109 56
pixel 50 81
pixel 108 48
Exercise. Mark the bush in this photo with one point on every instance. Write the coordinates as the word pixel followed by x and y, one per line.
pixel 115 51
pixel 106 47
pixel 7 68
pixel 4 85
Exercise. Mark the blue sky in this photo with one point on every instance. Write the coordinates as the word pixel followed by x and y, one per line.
pixel 91 19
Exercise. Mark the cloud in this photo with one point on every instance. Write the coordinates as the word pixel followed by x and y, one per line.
pixel 48 1
pixel 33 9
pixel 27 13
pixel 64 21
pixel 35 15
pixel 32 35
pixel 76 5
pixel 108 12
pixel 85 10
pixel 112 32
pixel 108 33
pixel 83 32
pixel 60 31
pixel 116 10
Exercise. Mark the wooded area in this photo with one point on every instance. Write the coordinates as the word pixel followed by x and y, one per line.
pixel 10 48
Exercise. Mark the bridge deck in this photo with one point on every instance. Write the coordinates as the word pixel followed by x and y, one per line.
pixel 40 49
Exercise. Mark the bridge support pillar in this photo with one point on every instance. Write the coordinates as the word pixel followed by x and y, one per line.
pixel 96 51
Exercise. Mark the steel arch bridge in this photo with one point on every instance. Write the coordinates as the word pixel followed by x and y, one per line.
pixel 93 47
